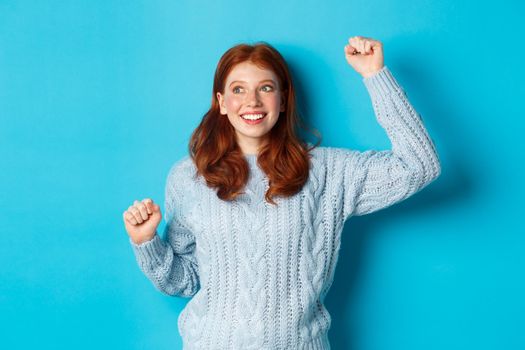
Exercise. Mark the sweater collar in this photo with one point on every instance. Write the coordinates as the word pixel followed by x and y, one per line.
pixel 252 162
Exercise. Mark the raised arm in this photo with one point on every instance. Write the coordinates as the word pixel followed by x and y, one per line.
pixel 372 180
pixel 171 266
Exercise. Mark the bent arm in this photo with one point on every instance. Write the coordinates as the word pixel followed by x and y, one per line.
pixel 374 180
pixel 171 266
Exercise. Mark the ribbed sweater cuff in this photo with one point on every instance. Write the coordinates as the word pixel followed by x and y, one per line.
pixel 381 83
pixel 150 250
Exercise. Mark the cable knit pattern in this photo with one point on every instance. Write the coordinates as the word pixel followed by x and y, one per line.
pixel 259 273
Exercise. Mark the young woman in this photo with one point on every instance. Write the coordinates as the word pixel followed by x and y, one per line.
pixel 254 214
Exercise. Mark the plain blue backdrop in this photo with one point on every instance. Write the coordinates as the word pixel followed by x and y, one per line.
pixel 99 98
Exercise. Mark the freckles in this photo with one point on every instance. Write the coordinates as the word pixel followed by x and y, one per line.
pixel 232 103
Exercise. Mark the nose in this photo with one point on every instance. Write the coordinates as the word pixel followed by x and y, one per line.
pixel 253 98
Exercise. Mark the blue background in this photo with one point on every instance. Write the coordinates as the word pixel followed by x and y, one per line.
pixel 98 99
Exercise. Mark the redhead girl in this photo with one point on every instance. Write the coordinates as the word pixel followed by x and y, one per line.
pixel 254 214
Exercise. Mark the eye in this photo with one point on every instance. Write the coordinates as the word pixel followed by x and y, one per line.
pixel 267 88
pixel 236 89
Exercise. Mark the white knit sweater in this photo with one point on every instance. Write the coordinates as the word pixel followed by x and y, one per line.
pixel 258 274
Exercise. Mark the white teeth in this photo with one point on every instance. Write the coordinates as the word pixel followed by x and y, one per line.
pixel 252 116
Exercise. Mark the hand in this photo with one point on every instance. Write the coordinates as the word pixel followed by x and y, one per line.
pixel 365 55
pixel 141 220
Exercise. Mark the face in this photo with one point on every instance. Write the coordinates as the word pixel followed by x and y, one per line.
pixel 252 101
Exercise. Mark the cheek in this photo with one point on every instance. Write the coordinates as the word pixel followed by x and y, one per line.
pixel 233 104
pixel 273 102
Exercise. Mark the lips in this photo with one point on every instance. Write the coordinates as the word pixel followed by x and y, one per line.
pixel 253 115
pixel 253 121
pixel 248 113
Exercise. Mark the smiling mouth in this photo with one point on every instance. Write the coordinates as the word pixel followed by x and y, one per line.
pixel 256 116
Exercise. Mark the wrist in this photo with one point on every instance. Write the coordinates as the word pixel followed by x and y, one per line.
pixel 143 239
pixel 372 72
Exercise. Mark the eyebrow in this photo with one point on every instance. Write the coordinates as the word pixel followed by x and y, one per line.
pixel 262 81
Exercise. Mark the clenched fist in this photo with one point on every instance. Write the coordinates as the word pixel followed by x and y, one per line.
pixel 141 220
pixel 365 55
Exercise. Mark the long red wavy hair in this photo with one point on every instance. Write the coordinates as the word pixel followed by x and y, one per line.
pixel 284 158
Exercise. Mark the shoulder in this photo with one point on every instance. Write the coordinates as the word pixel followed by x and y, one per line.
pixel 184 164
pixel 183 171
pixel 327 156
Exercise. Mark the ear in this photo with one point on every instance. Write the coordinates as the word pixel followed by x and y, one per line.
pixel 221 103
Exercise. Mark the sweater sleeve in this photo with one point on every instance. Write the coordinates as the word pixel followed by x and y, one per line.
pixel 171 265
pixel 373 180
